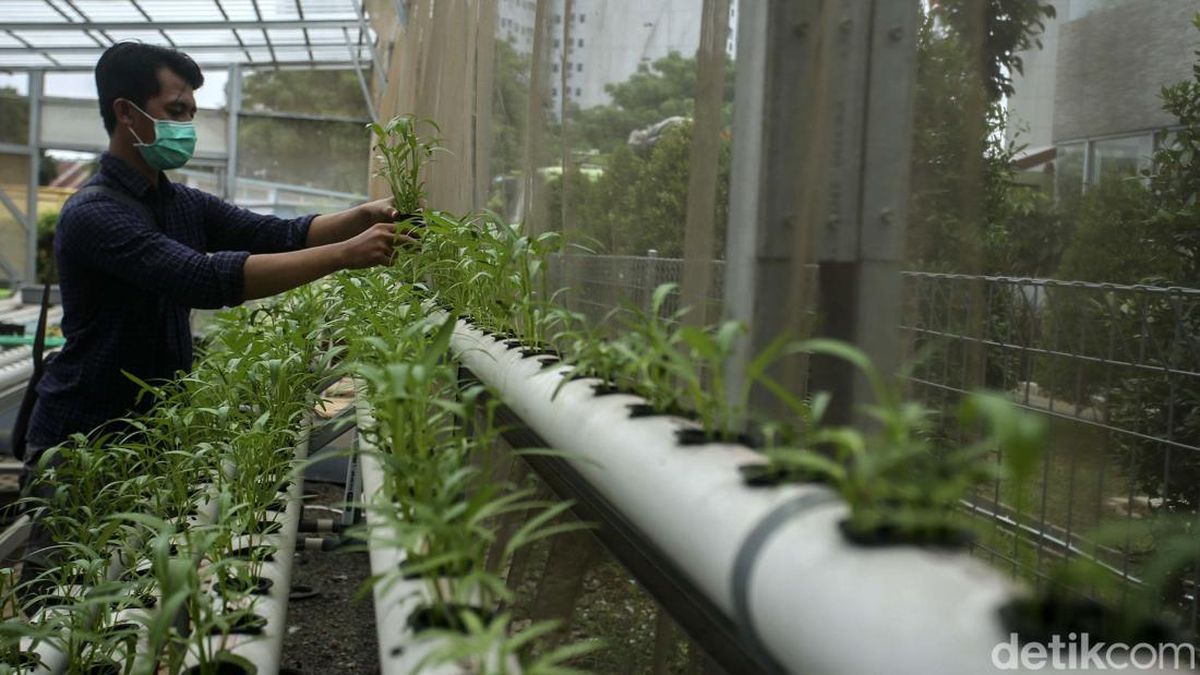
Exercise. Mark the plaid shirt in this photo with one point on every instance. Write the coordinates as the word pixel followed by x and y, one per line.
pixel 128 288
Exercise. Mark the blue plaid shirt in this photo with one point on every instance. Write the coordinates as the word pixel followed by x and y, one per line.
pixel 128 288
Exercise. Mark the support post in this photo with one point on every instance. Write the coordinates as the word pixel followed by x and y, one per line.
pixel 234 111
pixel 533 211
pixel 703 162
pixel 774 104
pixel 36 82
pixel 823 127
pixel 861 254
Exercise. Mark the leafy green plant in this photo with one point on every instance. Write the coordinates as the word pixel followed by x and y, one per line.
pixel 494 648
pixel 403 151
pixel 897 482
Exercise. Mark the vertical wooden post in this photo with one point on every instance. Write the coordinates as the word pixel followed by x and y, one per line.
pixel 704 157
pixel 533 202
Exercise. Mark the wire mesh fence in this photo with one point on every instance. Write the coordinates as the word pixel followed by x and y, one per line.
pixel 1115 370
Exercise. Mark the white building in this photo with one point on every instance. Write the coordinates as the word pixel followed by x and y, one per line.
pixel 608 39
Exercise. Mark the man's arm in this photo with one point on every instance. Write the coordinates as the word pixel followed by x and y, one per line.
pixel 232 228
pixel 269 273
pixel 108 236
pixel 331 228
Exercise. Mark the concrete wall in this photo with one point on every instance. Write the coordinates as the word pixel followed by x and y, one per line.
pixel 620 35
pixel 1113 61
pixel 1031 107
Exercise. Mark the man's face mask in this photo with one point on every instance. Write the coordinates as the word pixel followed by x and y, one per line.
pixel 174 143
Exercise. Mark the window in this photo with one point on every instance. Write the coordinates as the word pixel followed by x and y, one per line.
pixel 555 42
pixel 579 67
pixel 582 18
pixel 580 43
pixel 1119 157
pixel 556 67
pixel 578 92
pixel 554 92
pixel 558 18
pixel 1068 171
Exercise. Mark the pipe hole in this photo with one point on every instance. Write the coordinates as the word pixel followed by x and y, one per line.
pixel 445 616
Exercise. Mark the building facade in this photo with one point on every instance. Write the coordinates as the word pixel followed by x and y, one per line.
pixel 1092 91
pixel 605 40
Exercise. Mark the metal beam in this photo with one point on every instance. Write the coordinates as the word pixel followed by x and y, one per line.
pixel 85 17
pixel 362 80
pixel 231 131
pixel 191 49
pixel 14 149
pixel 300 15
pixel 222 63
pixel 147 16
pixel 236 36
pixel 27 46
pixel 860 258
pixel 36 85
pixel 62 26
pixel 266 36
pixel 774 104
pixel 305 116
pixel 71 19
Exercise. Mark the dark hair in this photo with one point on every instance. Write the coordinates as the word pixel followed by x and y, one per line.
pixel 130 70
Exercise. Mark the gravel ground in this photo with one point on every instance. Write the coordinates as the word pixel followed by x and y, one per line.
pixel 333 632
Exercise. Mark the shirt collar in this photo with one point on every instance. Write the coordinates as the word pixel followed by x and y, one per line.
pixel 130 178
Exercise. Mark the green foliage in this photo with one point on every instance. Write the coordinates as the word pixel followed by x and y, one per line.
pixel 1116 240
pixel 662 89
pixel 403 152
pixel 1006 28
pixel 322 154
pixel 1174 179
pixel 960 221
pixel 897 481
pixel 640 203
pixel 1142 231
pixel 14 116
pixel 510 96
pixel 45 244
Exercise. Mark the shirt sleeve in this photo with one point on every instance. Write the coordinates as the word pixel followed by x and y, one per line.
pixel 232 228
pixel 111 237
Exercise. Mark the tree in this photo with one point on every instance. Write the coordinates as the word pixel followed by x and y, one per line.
pixel 959 221
pixel 14 116
pixel 510 95
pixel 640 202
pixel 1163 401
pixel 662 89
pixel 331 155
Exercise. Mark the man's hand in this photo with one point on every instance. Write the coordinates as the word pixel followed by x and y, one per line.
pixel 375 246
pixel 378 211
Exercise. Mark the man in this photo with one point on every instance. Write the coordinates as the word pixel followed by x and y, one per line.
pixel 129 281
pixel 128 285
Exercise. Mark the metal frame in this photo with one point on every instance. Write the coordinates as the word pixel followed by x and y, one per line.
pixel 97 35
pixel 94 37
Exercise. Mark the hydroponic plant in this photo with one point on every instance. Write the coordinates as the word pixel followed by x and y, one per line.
pixel 902 487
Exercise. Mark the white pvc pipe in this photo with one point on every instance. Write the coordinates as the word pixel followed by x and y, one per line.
pixel 16 355
pixel 396 598
pixel 265 649
pixel 815 602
